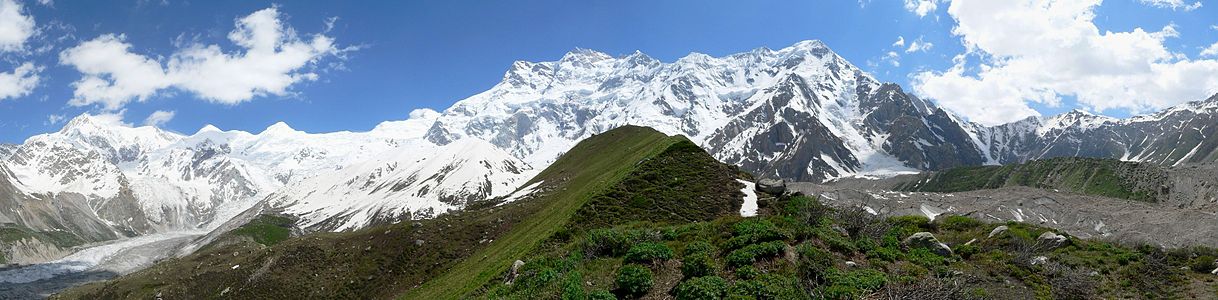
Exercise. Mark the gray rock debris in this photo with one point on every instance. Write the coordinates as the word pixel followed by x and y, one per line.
pixel 928 241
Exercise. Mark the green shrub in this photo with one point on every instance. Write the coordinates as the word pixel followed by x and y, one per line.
pixel 747 272
pixel 753 231
pixel 806 210
pixel 854 284
pixel 767 286
pixel 648 253
pixel 749 254
pixel 1202 264
pixel 699 247
pixel 701 288
pixel 601 295
pixel 873 250
pixel 573 286
pixel 959 223
pixel 835 241
pixel 615 242
pixel 698 265
pixel 906 225
pixel 966 251
pixel 814 262
pixel 633 280
pixel 924 257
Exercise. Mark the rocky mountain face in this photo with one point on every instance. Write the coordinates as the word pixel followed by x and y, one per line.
pixel 801 113
pixel 1182 134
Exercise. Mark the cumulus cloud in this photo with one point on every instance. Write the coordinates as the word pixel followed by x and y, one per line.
pixel 1036 51
pixel 54 119
pixel 15 26
pixel 919 45
pixel 921 7
pixel 892 58
pixel 900 42
pixel 1211 51
pixel 272 59
pixel 19 82
pixel 1172 4
pixel 158 118
pixel 15 29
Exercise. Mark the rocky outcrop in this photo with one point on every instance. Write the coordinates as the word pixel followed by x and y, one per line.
pixel 928 241
pixel 772 186
pixel 1052 240
pixel 998 231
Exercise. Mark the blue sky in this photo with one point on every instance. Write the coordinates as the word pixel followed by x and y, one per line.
pixel 391 57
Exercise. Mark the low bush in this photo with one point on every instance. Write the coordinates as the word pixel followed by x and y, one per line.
pixel 633 280
pixel 701 288
pixel 1202 264
pixel 648 253
pixel 698 265
pixel 749 254
pixel 814 263
pixel 601 295
pixel 767 286
pixel 699 247
pixel 853 284
pixel 959 223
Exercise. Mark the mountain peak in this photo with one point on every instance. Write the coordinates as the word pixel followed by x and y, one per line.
pixel 585 55
pixel 810 44
pixel 86 121
pixel 278 128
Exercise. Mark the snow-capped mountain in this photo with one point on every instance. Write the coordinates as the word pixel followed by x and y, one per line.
pixel 99 179
pixel 402 184
pixel 801 112
pixel 1186 133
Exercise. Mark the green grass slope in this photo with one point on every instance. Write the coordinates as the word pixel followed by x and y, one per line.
pixel 448 257
pixel 1092 176
pixel 646 167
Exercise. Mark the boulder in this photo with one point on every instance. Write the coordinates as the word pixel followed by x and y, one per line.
pixel 516 265
pixel 1053 240
pixel 772 186
pixel 928 241
pixel 998 230
pixel 418 242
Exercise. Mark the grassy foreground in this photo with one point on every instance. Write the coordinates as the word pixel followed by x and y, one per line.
pixel 809 251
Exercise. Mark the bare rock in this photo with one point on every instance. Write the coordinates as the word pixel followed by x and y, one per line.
pixel 516 265
pixel 928 241
pixel 998 231
pixel 1053 240
pixel 772 186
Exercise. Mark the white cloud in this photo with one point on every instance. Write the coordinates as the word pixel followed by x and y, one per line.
pixel 1172 4
pixel 1211 51
pixel 272 59
pixel 55 119
pixel 921 7
pixel 900 42
pixel 893 58
pixel 47 2
pixel 1036 51
pixel 158 118
pixel 15 27
pixel 919 45
pixel 19 82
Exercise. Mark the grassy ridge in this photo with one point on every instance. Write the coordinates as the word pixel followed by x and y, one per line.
pixel 1100 177
pixel 587 169
pixel 10 234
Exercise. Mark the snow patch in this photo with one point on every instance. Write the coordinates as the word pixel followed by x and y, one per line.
pixel 749 208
